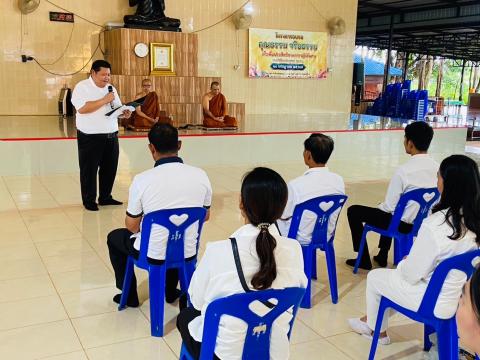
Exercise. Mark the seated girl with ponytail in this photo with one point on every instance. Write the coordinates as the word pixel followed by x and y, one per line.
pixel 268 261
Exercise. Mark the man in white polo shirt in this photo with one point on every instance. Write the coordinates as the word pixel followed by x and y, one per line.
pixel 97 135
pixel 170 184
pixel 317 181
pixel 417 173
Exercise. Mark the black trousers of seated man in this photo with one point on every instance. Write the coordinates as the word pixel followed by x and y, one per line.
pixel 97 153
pixel 358 215
pixel 183 319
pixel 120 247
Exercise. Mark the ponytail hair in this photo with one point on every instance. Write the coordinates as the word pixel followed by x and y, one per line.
pixel 264 195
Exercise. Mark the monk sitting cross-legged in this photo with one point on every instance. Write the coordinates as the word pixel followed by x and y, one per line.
pixel 215 109
pixel 149 112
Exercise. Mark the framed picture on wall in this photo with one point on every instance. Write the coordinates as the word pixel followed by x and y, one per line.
pixel 161 59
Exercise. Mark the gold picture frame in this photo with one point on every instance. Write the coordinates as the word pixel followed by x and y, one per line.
pixel 161 59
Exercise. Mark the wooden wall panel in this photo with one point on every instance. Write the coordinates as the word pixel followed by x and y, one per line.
pixel 237 110
pixel 180 95
pixel 171 89
pixel 119 44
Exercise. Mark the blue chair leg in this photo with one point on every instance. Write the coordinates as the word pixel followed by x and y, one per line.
pixel 396 250
pixel 127 280
pixel 360 250
pixel 447 340
pixel 189 270
pixel 401 248
pixel 314 265
pixel 307 267
pixel 182 277
pixel 427 331
pixel 156 283
pixel 184 354
pixel 406 248
pixel 332 271
pixel 376 333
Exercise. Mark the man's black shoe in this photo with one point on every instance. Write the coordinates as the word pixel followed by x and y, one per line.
pixel 91 206
pixel 380 260
pixel 110 201
pixel 351 262
pixel 130 303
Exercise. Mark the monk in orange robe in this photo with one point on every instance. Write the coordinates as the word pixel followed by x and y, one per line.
pixel 149 112
pixel 215 109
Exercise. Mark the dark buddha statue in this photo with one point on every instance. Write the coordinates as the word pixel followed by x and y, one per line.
pixel 150 15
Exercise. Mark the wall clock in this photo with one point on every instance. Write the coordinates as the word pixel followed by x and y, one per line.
pixel 141 50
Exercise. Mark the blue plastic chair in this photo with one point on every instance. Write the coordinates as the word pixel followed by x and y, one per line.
pixel 174 259
pixel 257 339
pixel 402 242
pixel 446 329
pixel 320 241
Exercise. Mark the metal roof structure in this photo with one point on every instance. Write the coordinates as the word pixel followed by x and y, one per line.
pixel 445 28
pixel 375 67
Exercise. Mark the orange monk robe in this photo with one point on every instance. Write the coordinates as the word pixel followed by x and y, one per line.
pixel 151 108
pixel 218 107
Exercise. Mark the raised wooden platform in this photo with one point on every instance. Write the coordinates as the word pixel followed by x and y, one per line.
pixel 180 95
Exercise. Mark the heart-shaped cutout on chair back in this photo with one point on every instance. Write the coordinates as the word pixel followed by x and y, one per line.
pixel 428 196
pixel 476 261
pixel 325 206
pixel 178 219
pixel 260 308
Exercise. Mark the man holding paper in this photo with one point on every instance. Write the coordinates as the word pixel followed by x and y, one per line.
pixel 97 135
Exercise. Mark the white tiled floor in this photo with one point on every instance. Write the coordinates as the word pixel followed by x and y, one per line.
pixel 56 282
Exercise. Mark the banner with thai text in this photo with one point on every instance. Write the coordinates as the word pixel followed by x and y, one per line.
pixel 287 54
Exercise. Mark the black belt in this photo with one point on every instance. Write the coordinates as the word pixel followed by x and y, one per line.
pixel 105 136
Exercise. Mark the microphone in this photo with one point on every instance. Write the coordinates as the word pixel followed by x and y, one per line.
pixel 110 89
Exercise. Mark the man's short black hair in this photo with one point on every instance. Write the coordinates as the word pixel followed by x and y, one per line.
pixel 420 134
pixel 320 146
pixel 164 137
pixel 97 64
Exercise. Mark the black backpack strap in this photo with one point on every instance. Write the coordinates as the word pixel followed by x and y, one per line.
pixel 278 229
pixel 241 276
pixel 238 264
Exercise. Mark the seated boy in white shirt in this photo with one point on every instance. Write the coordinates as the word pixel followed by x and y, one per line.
pixel 417 173
pixel 171 184
pixel 317 181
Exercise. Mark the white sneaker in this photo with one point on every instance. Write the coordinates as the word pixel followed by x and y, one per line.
pixel 361 327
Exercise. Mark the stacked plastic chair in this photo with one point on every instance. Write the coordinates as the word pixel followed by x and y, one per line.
pixel 421 105
pixel 394 100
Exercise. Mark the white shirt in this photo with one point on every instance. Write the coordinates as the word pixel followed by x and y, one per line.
pixel 169 185
pixel 431 246
pixel 417 173
pixel 95 122
pixel 313 183
pixel 216 277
